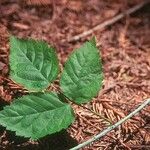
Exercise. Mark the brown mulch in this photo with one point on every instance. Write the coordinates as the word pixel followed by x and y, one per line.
pixel 125 51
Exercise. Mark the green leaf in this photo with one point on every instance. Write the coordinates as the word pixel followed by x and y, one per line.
pixel 93 41
pixel 37 115
pixel 82 76
pixel 33 64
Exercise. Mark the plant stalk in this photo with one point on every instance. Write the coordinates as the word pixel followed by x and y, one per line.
pixel 90 110
pixel 95 113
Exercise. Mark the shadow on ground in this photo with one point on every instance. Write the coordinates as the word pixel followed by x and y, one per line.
pixel 58 141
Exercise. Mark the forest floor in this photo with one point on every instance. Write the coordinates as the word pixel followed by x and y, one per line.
pixel 125 52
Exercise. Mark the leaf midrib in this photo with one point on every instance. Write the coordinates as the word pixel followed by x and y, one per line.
pixel 32 113
pixel 80 74
pixel 33 64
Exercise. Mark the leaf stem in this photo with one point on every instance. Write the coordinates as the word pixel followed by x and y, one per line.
pixel 90 110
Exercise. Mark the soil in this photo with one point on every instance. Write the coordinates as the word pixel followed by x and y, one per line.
pixel 125 52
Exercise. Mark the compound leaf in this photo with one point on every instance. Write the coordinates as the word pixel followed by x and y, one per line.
pixel 33 64
pixel 82 76
pixel 37 115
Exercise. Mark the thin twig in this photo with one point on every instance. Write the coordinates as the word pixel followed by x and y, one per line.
pixel 104 132
pixel 109 22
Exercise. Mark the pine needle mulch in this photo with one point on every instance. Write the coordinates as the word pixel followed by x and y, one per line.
pixel 125 51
